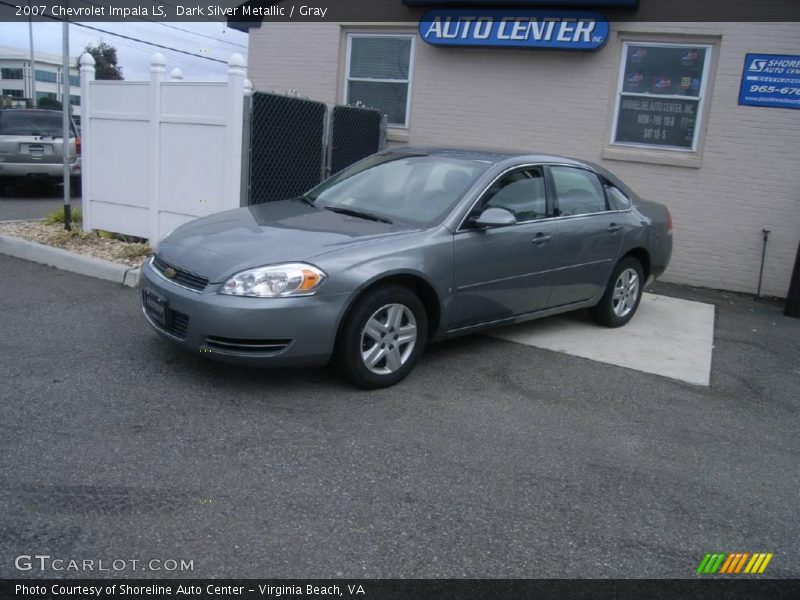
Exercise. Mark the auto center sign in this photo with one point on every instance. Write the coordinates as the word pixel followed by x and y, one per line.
pixel 558 30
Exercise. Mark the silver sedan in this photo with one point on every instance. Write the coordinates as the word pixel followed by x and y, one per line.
pixel 405 247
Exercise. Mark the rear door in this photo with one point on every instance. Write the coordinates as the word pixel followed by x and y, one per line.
pixel 504 271
pixel 588 235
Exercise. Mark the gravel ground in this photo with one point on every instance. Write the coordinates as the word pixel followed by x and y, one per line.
pixel 88 244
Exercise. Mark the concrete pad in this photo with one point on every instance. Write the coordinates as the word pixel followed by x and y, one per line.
pixel 667 336
pixel 69 261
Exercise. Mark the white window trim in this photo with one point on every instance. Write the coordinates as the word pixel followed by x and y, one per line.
pixel 408 82
pixel 709 48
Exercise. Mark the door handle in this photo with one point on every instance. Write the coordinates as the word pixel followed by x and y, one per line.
pixel 541 238
pixel 614 228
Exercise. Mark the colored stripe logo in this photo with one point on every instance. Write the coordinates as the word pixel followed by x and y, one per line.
pixel 734 563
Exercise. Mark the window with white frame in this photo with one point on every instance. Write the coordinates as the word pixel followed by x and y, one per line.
pixel 379 74
pixel 660 95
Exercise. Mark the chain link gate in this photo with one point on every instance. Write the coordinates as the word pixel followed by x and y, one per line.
pixel 287 150
pixel 355 133
pixel 293 144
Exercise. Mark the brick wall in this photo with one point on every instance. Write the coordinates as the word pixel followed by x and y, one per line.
pixel 559 102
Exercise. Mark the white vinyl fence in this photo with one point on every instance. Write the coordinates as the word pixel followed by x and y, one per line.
pixel 159 153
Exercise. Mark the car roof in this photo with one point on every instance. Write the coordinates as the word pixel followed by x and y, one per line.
pixel 490 156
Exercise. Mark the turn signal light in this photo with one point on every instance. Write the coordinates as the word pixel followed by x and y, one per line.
pixel 310 280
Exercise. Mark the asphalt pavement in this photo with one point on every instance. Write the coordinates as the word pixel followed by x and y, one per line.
pixel 492 459
pixel 33 202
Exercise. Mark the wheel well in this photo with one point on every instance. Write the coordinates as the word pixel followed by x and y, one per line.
pixel 643 257
pixel 417 285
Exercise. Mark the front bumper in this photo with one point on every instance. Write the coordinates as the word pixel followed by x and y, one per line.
pixel 297 331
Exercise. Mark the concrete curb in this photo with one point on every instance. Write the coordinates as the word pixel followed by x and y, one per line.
pixel 69 261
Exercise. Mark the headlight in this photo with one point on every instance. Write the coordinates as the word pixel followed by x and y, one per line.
pixel 294 279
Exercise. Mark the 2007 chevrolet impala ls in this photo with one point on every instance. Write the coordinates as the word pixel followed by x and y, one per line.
pixel 401 248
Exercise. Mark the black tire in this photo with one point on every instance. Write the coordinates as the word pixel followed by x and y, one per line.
pixel 75 188
pixel 604 312
pixel 352 340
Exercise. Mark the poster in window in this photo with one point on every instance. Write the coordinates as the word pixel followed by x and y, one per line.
pixel 664 70
pixel 657 121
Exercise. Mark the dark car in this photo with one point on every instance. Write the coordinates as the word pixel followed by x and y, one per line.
pixel 401 248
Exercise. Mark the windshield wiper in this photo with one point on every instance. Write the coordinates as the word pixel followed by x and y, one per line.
pixel 305 199
pixel 357 213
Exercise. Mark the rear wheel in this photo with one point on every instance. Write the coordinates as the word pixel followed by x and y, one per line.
pixel 383 337
pixel 622 296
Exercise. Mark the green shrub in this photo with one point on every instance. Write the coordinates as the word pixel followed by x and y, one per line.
pixel 57 216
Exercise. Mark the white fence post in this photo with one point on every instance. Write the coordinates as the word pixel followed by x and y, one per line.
pixel 233 165
pixel 87 76
pixel 158 71
pixel 176 74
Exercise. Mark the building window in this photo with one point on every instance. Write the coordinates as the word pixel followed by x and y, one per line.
pixel 13 93
pixel 379 74
pixel 74 100
pixel 75 80
pixel 660 95
pixel 45 76
pixel 11 73
pixel 47 95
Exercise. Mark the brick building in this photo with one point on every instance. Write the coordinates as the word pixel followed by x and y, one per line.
pixel 658 104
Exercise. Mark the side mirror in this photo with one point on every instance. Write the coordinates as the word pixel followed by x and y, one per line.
pixel 495 217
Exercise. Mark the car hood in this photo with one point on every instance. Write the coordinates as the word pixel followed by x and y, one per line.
pixel 287 231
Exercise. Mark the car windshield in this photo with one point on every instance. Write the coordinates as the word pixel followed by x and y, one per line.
pixel 31 122
pixel 419 189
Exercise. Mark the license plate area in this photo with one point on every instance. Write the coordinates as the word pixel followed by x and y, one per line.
pixel 157 308
pixel 37 149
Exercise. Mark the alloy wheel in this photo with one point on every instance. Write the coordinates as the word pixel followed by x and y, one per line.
pixel 388 339
pixel 626 292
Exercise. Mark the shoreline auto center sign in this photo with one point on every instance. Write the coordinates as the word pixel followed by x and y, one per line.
pixel 771 80
pixel 557 30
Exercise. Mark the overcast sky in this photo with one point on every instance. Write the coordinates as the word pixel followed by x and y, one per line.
pixel 213 40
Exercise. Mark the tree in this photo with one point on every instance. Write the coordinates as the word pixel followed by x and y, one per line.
pixel 105 61
pixel 49 103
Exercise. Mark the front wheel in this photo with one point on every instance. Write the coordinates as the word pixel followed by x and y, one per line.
pixel 622 296
pixel 383 337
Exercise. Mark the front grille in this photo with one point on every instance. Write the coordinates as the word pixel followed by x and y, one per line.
pixel 181 277
pixel 245 346
pixel 177 322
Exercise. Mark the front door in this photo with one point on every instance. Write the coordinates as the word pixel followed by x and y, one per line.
pixel 503 272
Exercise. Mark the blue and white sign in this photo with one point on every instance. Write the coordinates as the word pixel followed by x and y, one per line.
pixel 771 80
pixel 556 30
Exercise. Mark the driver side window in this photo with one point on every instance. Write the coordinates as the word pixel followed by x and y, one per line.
pixel 522 193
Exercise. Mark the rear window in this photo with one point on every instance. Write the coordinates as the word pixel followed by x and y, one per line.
pixel 31 122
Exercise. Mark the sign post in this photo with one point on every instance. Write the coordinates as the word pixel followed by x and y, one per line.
pixel 65 121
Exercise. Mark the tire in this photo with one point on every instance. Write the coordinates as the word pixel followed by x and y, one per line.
pixel 365 354
pixel 622 296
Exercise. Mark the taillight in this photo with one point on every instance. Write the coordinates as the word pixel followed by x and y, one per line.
pixel 78 149
pixel 669 221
